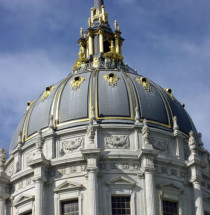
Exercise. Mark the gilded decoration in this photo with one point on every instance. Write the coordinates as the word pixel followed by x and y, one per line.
pixel 111 79
pixel 29 103
pixel 96 62
pixel 169 91
pixel 47 92
pixel 82 59
pixel 145 84
pixel 113 54
pixel 76 82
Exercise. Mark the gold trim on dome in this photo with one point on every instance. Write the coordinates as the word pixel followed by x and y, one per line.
pixel 55 96
pixel 26 121
pixel 29 103
pixel 58 101
pixel 107 118
pixel 111 79
pixel 47 92
pixel 76 82
pixel 169 91
pixel 90 104
pixel 145 84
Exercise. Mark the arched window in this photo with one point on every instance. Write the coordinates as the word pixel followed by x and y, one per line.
pixel 107 46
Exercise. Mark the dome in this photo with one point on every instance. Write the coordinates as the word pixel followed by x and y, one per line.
pixel 113 95
pixel 101 87
pixel 105 140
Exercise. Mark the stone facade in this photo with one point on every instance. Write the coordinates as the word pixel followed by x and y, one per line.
pixel 95 162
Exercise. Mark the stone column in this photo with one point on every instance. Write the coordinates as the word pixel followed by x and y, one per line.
pixel 40 165
pixel 198 198
pixel 150 192
pixel 92 192
pixel 2 206
pixel 194 164
pixel 101 42
pixel 39 197
pixel 91 154
pixel 147 157
pixel 90 44
pixel 4 181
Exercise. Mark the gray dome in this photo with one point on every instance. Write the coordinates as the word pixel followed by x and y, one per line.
pixel 112 94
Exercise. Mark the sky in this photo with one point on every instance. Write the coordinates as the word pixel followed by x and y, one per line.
pixel 167 41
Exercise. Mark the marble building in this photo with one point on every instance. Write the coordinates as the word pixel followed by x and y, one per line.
pixel 105 141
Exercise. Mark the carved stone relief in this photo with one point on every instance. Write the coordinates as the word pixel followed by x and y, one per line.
pixel 117 141
pixel 160 143
pixel 72 145
pixel 10 170
pixel 22 184
pixel 65 171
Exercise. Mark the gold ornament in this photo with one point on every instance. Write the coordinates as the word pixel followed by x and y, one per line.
pixel 111 79
pixel 145 84
pixel 47 92
pixel 76 82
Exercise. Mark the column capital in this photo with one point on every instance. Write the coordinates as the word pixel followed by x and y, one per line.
pixel 88 153
pixel 147 158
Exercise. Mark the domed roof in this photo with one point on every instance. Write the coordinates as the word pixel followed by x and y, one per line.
pixel 112 94
pixel 102 87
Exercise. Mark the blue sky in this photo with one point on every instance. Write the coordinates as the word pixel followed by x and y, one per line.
pixel 167 41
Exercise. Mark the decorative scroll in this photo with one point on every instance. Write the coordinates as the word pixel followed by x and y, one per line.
pixel 111 79
pixel 145 84
pixel 76 82
pixel 47 92
pixel 117 141
pixel 72 145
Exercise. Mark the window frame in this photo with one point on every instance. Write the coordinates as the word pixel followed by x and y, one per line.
pixel 171 193
pixel 121 186
pixel 24 204
pixel 67 194
pixel 121 196
pixel 62 202
pixel 166 200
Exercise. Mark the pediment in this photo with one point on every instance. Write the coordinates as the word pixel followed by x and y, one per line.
pixel 171 188
pixel 23 199
pixel 68 185
pixel 121 180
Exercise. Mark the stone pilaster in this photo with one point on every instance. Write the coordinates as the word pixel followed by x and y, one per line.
pixel 92 155
pixel 40 165
pixel 194 165
pixel 18 155
pixel 39 185
pixel 147 157
pixel 4 181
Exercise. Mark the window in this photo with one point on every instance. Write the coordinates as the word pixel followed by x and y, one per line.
pixel 70 208
pixel 170 208
pixel 121 205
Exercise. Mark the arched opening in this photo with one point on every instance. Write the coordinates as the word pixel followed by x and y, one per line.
pixel 107 46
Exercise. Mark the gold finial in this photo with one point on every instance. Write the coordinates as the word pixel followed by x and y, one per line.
pixel 115 24
pixel 89 22
pixel 81 32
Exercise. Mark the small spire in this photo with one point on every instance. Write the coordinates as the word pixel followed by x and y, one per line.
pixel 98 4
